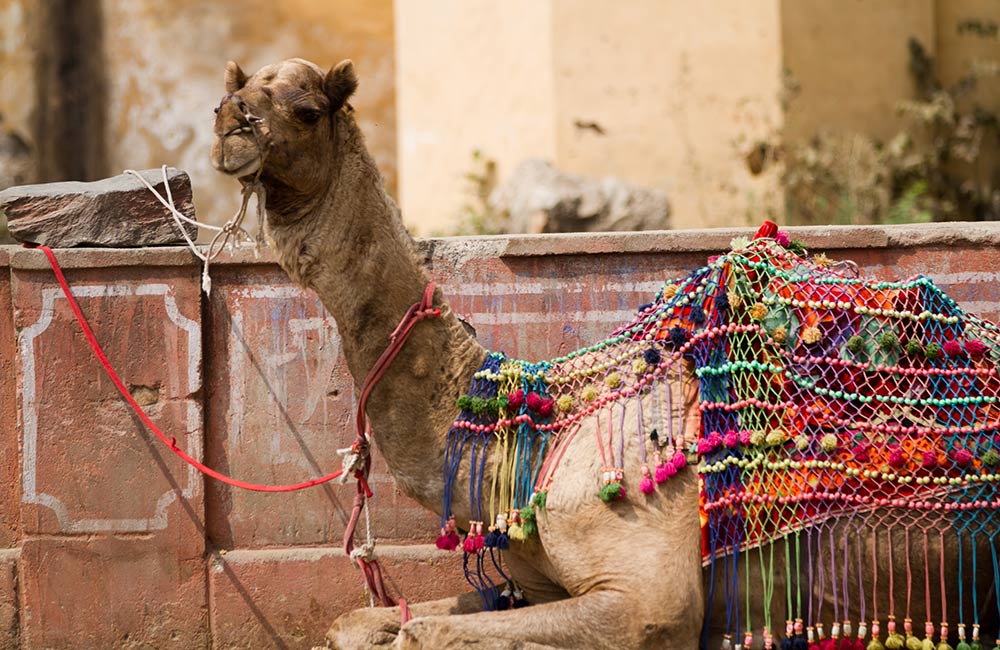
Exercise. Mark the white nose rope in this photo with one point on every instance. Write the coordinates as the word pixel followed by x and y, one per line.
pixel 232 228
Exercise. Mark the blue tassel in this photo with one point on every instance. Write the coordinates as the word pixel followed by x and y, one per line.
pixel 652 356
pixel 678 336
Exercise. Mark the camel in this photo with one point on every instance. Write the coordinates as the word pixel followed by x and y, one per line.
pixel 631 573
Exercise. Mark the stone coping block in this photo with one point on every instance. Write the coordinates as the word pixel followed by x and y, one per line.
pixel 462 249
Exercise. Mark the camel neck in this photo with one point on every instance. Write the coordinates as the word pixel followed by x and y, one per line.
pixel 357 256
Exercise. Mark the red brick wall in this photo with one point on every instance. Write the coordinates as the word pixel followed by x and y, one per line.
pixel 108 540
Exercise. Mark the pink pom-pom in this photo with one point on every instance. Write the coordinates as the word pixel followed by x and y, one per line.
pixel 534 401
pixel 731 439
pixel 782 239
pixel 744 437
pixel 469 546
pixel 962 457
pixel 897 459
pixel 928 460
pixel 479 542
pixel 679 460
pixel 952 348
pixel 646 485
pixel 663 472
pixel 715 439
pixel 975 347
pixel 516 399
pixel 447 542
pixel 545 407
pixel 859 645
pixel 704 446
pixel 827 644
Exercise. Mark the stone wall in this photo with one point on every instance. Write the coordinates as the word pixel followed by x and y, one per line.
pixel 108 540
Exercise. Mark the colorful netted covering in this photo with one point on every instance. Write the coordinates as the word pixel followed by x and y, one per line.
pixel 830 405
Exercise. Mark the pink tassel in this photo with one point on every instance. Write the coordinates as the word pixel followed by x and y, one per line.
pixel 479 542
pixel 646 484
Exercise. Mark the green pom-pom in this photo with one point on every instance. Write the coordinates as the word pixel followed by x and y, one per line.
pixel 493 405
pixel 875 644
pixel 895 642
pixel 855 343
pixel 914 347
pixel 976 645
pixel 478 405
pixel 798 248
pixel 503 401
pixel 539 500
pixel 932 351
pixel 528 523
pixel 943 646
pixel 888 340
pixel 610 492
pixel 464 402
pixel 991 458
pixel 962 645
pixel 913 643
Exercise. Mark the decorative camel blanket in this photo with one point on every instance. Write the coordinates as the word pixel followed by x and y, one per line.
pixel 829 403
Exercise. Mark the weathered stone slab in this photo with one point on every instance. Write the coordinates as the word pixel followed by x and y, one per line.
pixel 540 198
pixel 114 212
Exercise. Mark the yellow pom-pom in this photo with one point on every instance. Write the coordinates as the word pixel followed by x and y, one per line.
pixel 758 311
pixel 669 291
pixel 779 334
pixel 822 260
pixel 565 403
pixel 589 393
pixel 757 438
pixel 775 437
pixel 829 442
pixel 913 643
pixel 895 642
pixel 639 366
pixel 811 335
pixel 515 533
pixel 802 442
pixel 613 380
pixel 734 299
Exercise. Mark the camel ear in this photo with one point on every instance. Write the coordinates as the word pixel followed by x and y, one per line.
pixel 340 83
pixel 235 77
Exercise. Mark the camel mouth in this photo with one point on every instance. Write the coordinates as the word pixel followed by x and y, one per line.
pixel 236 153
pixel 249 167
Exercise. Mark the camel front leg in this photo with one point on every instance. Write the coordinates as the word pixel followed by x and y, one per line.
pixel 594 621
pixel 377 627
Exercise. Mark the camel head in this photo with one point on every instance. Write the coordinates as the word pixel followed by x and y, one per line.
pixel 280 123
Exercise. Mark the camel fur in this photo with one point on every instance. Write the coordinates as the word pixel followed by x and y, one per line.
pixel 628 576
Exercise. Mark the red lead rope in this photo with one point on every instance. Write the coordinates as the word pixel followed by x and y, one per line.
pixel 369 567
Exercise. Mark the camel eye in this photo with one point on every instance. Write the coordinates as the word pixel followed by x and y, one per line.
pixel 308 115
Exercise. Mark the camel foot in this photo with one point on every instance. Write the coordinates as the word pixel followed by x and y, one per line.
pixel 364 628
pixel 434 634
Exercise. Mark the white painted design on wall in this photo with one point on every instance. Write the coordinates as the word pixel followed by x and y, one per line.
pixel 29 474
